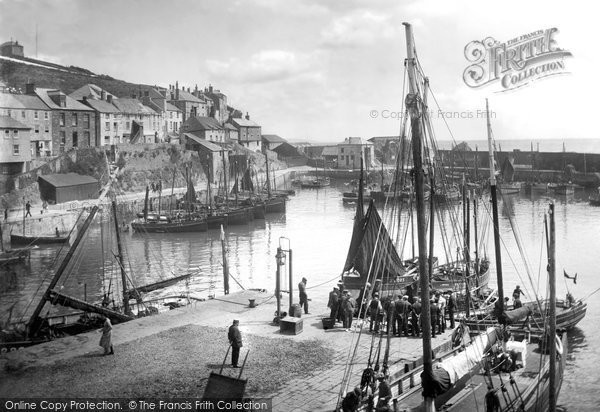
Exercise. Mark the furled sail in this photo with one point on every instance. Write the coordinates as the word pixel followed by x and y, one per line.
pixel 372 243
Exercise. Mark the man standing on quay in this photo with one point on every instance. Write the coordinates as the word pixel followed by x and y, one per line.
pixel 303 295
pixel 235 340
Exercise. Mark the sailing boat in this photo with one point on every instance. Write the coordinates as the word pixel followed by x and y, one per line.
pixel 40 328
pixel 318 181
pixel 456 382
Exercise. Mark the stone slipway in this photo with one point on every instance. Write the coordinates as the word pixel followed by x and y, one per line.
pixel 312 393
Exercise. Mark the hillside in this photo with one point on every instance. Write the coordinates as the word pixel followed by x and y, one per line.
pixel 16 74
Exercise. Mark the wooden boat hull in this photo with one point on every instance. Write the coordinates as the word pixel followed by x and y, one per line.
pixel 566 318
pixel 33 241
pixel 199 225
pixel 240 216
pixel 275 205
pixel 259 210
pixel 510 188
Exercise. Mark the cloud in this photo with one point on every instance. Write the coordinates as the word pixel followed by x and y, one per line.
pixel 262 67
pixel 359 28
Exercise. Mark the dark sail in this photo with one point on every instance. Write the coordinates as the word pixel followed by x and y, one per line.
pixel 370 238
pixel 247 181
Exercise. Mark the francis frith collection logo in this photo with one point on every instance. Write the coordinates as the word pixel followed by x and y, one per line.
pixel 516 62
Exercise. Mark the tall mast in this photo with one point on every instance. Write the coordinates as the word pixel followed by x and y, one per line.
pixel 225 180
pixel 495 209
pixel 552 314
pixel 31 325
pixel 146 204
pixel 267 167
pixel 121 260
pixel 431 190
pixel 412 103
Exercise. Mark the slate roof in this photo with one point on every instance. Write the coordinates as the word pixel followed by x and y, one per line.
pixel 22 101
pixel 132 106
pixel 172 108
pixel 204 143
pixel 240 122
pixel 183 95
pixel 102 106
pixel 7 122
pixel 71 104
pixel 202 123
pixel 273 138
pixel 90 91
pixel 68 179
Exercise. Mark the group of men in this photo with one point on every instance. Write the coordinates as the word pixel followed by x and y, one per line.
pixel 401 314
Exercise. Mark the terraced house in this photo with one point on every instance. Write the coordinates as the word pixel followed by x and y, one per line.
pixel 14 147
pixel 73 123
pixel 141 123
pixel 108 118
pixel 31 111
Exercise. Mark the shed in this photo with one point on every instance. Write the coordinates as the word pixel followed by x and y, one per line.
pixel 60 188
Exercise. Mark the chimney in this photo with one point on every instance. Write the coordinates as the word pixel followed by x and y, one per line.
pixel 176 90
pixel 196 89
pixel 109 98
pixel 188 89
pixel 84 99
pixel 30 88
pixel 210 89
pixel 102 95
pixel 247 116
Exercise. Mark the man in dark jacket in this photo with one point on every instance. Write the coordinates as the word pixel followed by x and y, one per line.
pixel 303 295
pixel 451 306
pixel 416 317
pixel 375 311
pixel 434 311
pixel 235 339
pixel 349 306
pixel 333 303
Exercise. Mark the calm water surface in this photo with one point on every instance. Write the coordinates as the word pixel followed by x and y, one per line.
pixel 318 227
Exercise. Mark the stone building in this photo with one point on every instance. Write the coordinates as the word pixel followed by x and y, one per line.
pixel 73 123
pixel 32 112
pixel 108 118
pixel 249 133
pixel 14 147
pixel 350 152
pixel 206 128
pixel 190 105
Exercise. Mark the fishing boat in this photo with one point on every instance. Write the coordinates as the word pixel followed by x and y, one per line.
pixel 317 182
pixel 37 240
pixel 493 363
pixel 9 256
pixel 562 189
pixel 510 188
pixel 88 315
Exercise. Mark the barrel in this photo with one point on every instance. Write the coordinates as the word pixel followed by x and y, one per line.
pixel 296 311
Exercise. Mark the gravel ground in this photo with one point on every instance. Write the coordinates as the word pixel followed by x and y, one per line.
pixel 173 363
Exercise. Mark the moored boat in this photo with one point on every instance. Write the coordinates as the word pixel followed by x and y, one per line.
pixel 37 240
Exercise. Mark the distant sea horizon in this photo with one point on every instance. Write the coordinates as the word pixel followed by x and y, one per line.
pixel 542 145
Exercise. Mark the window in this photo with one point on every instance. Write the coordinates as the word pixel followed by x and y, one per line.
pixel 126 125
pixel 23 115
pixel 8 112
pixel 75 139
pixel 342 152
pixel 63 137
pixel 74 119
pixel 107 116
pixel 15 134
pixel 87 139
pixel 7 134
pixel 115 126
pixel 106 139
pixel 107 126
pixel 35 115
pixel 86 120
pixel 16 149
pixel 47 128
pixel 342 157
pixel 170 114
pixel 45 115
pixel 61 121
pixel 37 128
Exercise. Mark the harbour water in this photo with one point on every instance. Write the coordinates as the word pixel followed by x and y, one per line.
pixel 317 228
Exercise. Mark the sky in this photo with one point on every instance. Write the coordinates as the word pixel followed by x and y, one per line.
pixel 321 71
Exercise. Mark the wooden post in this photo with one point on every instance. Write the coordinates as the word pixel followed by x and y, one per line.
pixel 225 263
pixel 291 281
